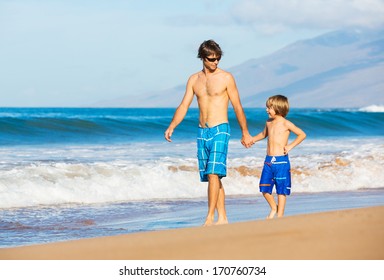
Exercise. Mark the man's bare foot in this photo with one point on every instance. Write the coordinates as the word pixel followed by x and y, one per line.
pixel 222 222
pixel 208 222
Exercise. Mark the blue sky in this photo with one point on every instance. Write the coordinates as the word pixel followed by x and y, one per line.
pixel 78 52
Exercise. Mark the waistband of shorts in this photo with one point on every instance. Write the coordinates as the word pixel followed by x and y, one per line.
pixel 216 127
pixel 276 158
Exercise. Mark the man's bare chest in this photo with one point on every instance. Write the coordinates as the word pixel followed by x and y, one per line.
pixel 209 87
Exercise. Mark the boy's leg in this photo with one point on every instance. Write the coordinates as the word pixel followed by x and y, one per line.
pixel 271 201
pixel 220 206
pixel 283 183
pixel 266 186
pixel 213 196
pixel 282 199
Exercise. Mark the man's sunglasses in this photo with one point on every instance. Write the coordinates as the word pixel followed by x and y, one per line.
pixel 213 59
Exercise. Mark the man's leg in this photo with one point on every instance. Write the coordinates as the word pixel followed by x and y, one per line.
pixel 222 214
pixel 217 161
pixel 213 196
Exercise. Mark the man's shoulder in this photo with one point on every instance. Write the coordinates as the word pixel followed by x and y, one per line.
pixel 195 75
pixel 224 72
pixel 228 76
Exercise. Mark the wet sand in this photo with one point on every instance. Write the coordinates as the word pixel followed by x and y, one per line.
pixel 354 234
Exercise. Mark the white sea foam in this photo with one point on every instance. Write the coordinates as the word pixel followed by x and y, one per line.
pixel 373 109
pixel 96 174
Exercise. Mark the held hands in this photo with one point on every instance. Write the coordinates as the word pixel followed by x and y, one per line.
pixel 247 140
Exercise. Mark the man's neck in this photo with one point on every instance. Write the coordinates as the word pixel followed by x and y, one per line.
pixel 207 72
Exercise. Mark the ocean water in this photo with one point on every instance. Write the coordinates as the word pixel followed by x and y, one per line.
pixel 70 173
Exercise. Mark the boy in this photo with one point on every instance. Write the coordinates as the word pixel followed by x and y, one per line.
pixel 276 170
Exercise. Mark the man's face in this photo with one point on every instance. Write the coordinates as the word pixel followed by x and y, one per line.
pixel 211 61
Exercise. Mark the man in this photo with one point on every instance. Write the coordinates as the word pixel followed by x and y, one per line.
pixel 214 88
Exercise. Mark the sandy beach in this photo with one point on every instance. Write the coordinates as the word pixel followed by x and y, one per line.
pixel 355 234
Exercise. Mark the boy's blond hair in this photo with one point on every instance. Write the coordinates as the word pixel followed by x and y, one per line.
pixel 279 103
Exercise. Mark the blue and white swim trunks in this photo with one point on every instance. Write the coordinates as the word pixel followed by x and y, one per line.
pixel 212 149
pixel 276 171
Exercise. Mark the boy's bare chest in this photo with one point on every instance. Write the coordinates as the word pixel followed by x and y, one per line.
pixel 276 129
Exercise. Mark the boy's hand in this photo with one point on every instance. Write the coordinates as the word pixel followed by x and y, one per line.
pixel 287 149
pixel 247 140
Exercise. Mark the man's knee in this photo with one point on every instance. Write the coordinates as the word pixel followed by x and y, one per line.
pixel 213 177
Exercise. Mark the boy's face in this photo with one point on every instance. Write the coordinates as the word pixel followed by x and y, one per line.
pixel 271 112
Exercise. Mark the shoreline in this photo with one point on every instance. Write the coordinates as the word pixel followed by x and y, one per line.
pixel 353 234
pixel 72 222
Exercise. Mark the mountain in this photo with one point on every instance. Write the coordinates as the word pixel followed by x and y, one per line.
pixel 340 69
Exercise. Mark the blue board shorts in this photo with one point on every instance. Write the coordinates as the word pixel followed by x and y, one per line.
pixel 276 171
pixel 212 149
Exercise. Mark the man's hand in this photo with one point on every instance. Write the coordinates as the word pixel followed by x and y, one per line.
pixel 247 140
pixel 168 134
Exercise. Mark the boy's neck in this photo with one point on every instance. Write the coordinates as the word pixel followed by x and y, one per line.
pixel 277 118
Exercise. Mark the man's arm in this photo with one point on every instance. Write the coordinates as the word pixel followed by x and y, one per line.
pixel 181 111
pixel 234 97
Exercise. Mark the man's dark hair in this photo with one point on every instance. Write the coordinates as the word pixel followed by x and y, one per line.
pixel 208 48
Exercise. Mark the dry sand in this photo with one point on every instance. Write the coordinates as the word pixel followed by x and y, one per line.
pixel 356 234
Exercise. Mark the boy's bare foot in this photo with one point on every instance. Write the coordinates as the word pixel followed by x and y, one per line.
pixel 272 213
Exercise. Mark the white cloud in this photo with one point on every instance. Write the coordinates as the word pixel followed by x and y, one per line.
pixel 271 16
